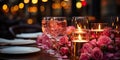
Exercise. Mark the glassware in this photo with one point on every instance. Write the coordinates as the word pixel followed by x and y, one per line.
pixel 82 27
pixel 57 26
pixel 45 21
pixel 79 36
pixel 54 27
pixel 97 29
pixel 83 22
pixel 99 25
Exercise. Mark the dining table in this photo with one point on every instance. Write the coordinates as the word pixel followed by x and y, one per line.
pixel 40 55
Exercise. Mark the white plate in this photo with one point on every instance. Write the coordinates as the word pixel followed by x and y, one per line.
pixel 19 50
pixel 29 35
pixel 21 42
pixel 17 41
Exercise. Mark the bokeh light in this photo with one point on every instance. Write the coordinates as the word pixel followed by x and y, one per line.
pixel 78 4
pixel 56 6
pixel 66 0
pixel 21 5
pixel 34 1
pixel 26 1
pixel 32 9
pixel 30 21
pixel 63 3
pixel 16 8
pixel 84 3
pixel 42 8
pixel 5 7
pixel 44 0
pixel 82 0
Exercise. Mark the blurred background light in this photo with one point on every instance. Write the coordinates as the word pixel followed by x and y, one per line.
pixel 16 8
pixel 82 0
pixel 42 8
pixel 84 3
pixel 21 5
pixel 78 5
pixel 32 9
pixel 44 0
pixel 34 1
pixel 30 21
pixel 63 3
pixel 26 1
pixel 5 7
pixel 66 0
pixel 56 6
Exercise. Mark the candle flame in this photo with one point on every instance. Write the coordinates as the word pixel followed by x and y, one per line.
pixel 79 37
pixel 99 27
pixel 79 28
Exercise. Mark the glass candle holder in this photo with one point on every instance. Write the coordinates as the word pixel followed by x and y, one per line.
pixel 83 22
pixel 81 25
pixel 97 29
pixel 79 38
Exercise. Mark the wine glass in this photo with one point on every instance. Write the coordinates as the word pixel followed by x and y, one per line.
pixel 45 21
pixel 57 26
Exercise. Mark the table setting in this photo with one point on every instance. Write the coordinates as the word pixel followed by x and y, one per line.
pixel 80 41
pixel 58 41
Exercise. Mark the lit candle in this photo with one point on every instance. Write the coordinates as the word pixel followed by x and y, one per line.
pixel 79 31
pixel 77 43
pixel 98 30
pixel 79 39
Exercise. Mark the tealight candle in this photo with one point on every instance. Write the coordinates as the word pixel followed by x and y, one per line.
pixel 78 40
pixel 97 30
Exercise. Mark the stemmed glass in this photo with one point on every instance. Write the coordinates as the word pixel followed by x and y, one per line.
pixel 45 21
pixel 54 27
pixel 57 26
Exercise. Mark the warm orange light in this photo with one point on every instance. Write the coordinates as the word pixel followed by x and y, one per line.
pixel 32 9
pixel 78 4
pixel 79 29
pixel 56 6
pixel 112 23
pixel 34 1
pixel 79 37
pixel 117 19
pixel 63 4
pixel 66 0
pixel 5 7
pixel 26 1
pixel 44 0
pixel 21 5
pixel 116 27
pixel 16 8
pixel 42 8
pixel 30 21
pixel 84 27
pixel 82 0
pixel 99 26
